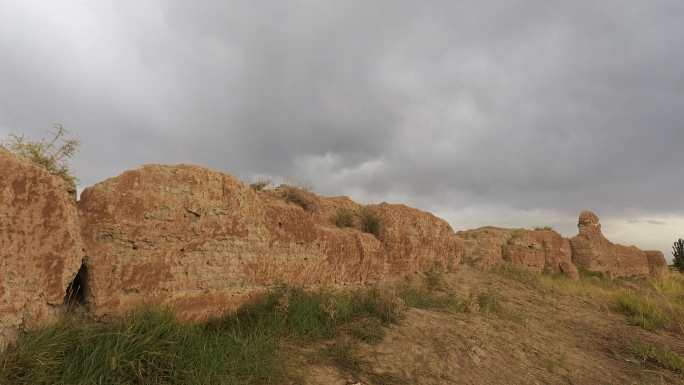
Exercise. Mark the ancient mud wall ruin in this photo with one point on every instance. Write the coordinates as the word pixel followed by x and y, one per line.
pixel 202 242
pixel 40 245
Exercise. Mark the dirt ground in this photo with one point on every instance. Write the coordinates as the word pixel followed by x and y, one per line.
pixel 536 337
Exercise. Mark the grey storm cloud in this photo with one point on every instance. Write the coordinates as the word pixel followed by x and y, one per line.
pixel 548 106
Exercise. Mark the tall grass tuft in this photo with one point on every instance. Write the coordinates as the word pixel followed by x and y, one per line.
pixel 642 311
pixel 661 357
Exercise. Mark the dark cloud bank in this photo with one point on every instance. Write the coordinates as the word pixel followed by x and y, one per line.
pixel 511 113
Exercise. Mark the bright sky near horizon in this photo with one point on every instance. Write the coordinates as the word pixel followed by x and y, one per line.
pixel 515 113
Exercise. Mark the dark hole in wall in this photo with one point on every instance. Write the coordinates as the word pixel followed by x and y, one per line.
pixel 76 291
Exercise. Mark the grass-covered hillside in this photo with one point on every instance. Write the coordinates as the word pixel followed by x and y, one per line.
pixel 503 327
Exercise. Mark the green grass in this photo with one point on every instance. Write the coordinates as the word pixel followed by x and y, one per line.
pixel 661 357
pixel 149 347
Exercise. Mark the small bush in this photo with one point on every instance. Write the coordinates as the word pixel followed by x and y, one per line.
pixel 544 228
pixel 663 358
pixel 260 184
pixel 298 196
pixel 52 154
pixel 343 218
pixel 370 222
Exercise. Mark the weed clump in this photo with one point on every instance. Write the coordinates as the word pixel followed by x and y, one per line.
pixel 343 218
pixel 370 222
pixel 661 357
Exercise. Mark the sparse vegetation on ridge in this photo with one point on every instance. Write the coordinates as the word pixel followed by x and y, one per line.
pixel 52 154
pixel 260 184
pixel 298 196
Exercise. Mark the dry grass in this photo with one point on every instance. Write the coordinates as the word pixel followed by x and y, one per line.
pixel 659 304
pixel 653 303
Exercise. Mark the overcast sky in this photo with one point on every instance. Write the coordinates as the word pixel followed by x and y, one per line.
pixel 514 113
